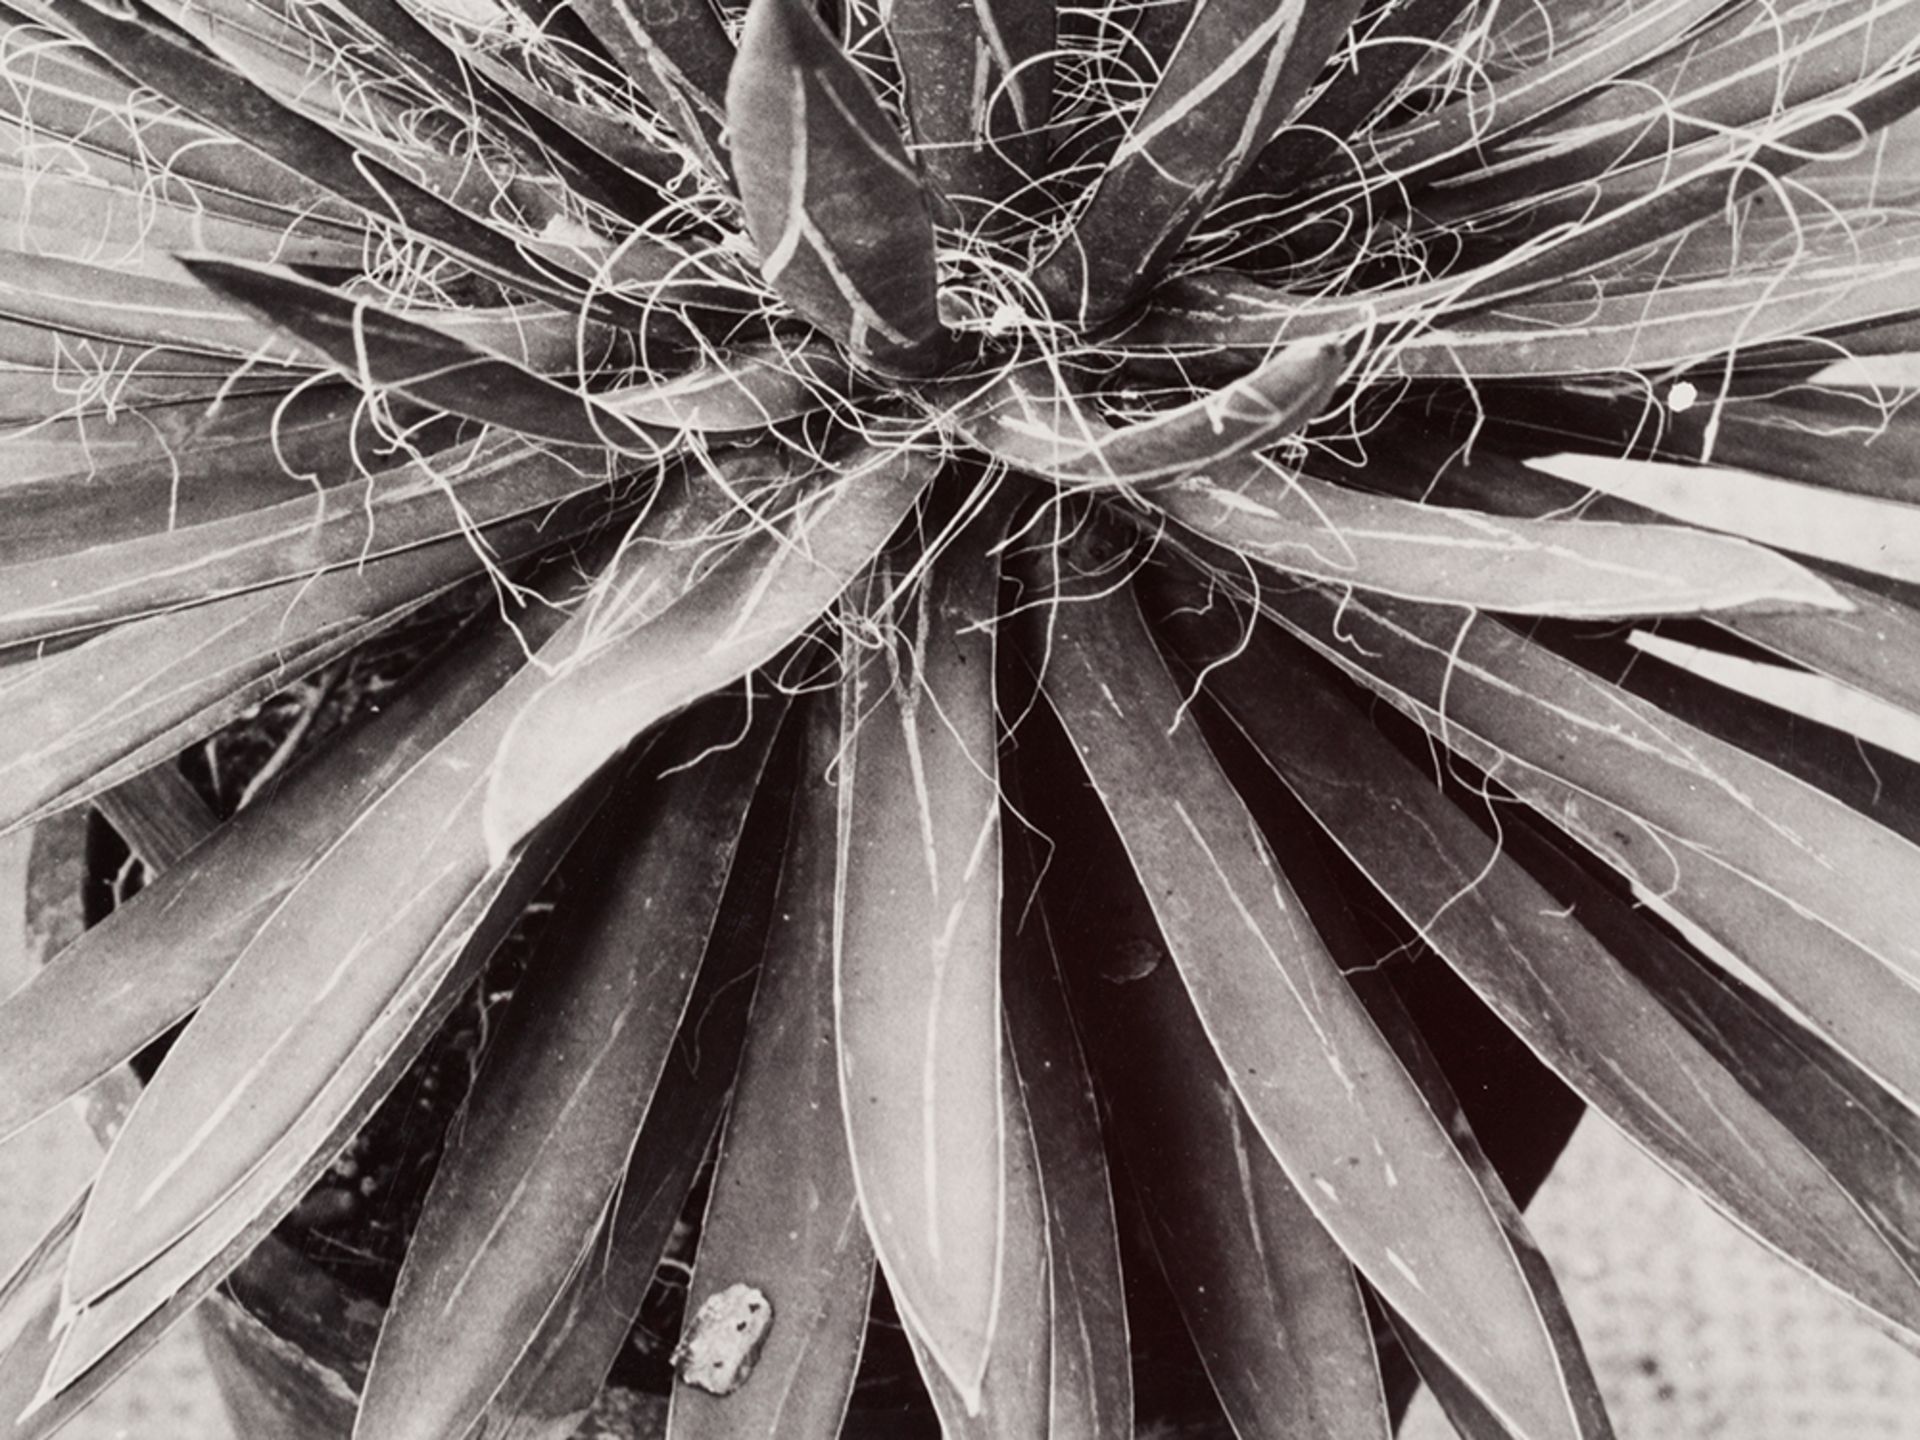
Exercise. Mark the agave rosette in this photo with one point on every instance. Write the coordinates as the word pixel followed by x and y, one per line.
pixel 1048 577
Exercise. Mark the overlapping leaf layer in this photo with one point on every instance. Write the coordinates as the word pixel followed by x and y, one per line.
pixel 1077 610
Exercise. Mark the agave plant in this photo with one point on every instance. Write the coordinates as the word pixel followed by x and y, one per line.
pixel 1063 600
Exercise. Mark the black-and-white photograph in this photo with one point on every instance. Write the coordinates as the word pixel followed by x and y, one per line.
pixel 960 719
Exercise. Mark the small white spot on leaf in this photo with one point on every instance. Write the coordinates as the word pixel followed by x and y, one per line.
pixel 723 1339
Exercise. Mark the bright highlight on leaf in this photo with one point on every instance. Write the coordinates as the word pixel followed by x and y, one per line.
pixel 882 716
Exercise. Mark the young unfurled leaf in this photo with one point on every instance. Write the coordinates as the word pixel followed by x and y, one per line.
pixel 784 1217
pixel 1269 1298
pixel 767 588
pixel 1032 420
pixel 1756 861
pixel 916 948
pixel 1319 1084
pixel 1547 979
pixel 548 1127
pixel 747 389
pixel 1234 76
pixel 832 200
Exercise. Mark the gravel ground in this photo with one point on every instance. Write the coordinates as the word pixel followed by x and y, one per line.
pixel 1695 1331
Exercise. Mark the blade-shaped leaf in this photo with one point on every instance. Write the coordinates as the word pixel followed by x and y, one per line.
pixel 1238 70
pixel 916 948
pixel 1791 434
pixel 564 1366
pixel 1091 1380
pixel 1800 694
pixel 1571 72
pixel 1872 647
pixel 459 496
pixel 547 1130
pixel 1429 552
pixel 1382 54
pixel 94 480
pixel 979 82
pixel 832 200
pixel 263 1058
pixel 1032 420
pixel 539 142
pixel 1269 1298
pixel 82 299
pixel 158 955
pixel 166 443
pixel 679 56
pixel 87 718
pixel 139 41
pixel 1468 1414
pixel 1757 861
pixel 385 350
pixel 29 1315
pixel 1734 74
pixel 51 211
pixel 765 590
pixel 1874 535
pixel 159 815
pixel 1552 983
pixel 1366 970
pixel 95 110
pixel 784 1219
pixel 1866 1139
pixel 1639 326
pixel 1218 315
pixel 106 1335
pixel 1319 1084
pixel 1016 1389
